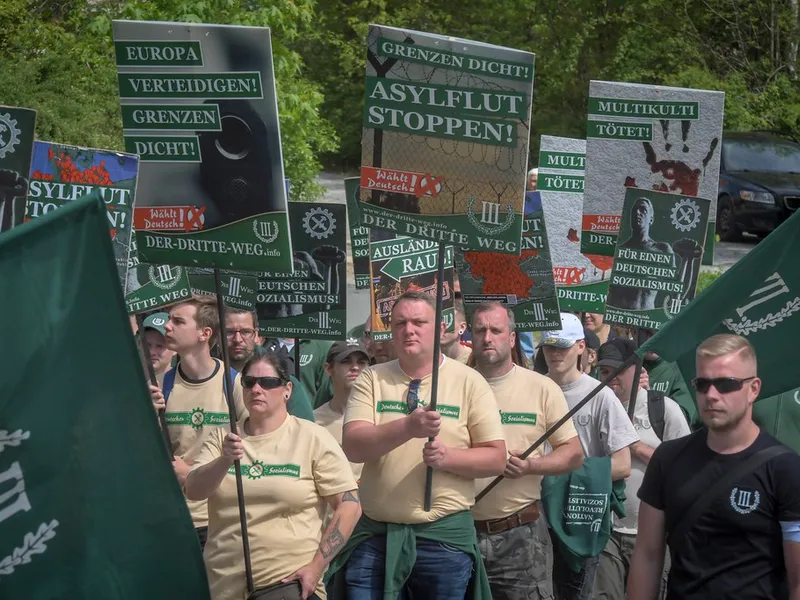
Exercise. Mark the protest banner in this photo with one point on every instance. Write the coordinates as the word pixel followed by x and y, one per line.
pixel 17 126
pixel 359 234
pixel 401 264
pixel 239 290
pixel 445 142
pixel 758 298
pixel 199 108
pixel 581 280
pixel 311 302
pixel 89 497
pixel 523 283
pixel 60 174
pixel 650 137
pixel 657 260
pixel 148 287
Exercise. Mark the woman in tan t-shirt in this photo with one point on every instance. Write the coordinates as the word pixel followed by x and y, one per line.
pixel 291 471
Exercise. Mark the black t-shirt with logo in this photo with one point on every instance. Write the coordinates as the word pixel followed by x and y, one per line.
pixel 735 548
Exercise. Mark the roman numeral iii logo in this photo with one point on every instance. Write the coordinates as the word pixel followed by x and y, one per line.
pixel 235 287
pixel 164 276
pixel 164 273
pixel 538 311
pixel 744 501
pixel 266 231
pixel 324 320
pixel 490 212
pixel 767 316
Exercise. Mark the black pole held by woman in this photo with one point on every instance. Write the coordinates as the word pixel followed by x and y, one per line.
pixel 437 342
pixel 228 389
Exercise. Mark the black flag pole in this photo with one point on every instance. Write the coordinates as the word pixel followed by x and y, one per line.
pixel 151 373
pixel 437 344
pixel 560 422
pixel 228 389
pixel 297 359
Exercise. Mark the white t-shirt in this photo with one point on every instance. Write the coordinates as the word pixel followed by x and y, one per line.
pixel 675 426
pixel 602 423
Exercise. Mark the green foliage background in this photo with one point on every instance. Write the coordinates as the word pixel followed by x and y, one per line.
pixel 56 56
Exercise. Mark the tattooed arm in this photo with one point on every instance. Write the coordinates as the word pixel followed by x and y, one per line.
pixel 346 512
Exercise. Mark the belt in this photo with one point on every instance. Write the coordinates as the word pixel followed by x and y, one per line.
pixel 529 514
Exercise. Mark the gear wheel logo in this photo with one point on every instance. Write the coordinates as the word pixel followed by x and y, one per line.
pixel 197 418
pixel 685 215
pixel 257 470
pixel 9 134
pixel 319 223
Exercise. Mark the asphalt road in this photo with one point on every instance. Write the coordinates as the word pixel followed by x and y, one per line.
pixel 725 253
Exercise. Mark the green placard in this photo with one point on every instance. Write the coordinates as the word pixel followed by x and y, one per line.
pixel 238 290
pixel 199 108
pixel 525 284
pixel 149 287
pixel 657 259
pixel 311 303
pixel 359 234
pixel 17 126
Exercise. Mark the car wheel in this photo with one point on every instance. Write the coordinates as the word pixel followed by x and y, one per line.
pixel 726 221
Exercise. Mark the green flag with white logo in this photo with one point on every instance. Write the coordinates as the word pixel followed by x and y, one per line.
pixel 89 504
pixel 758 298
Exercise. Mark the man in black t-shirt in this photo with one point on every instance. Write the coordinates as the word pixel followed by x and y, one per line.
pixel 746 544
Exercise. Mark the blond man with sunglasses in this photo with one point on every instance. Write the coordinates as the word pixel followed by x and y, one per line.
pixel 725 499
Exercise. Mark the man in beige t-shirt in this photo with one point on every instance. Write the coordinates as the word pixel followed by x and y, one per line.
pixel 452 346
pixel 195 400
pixel 343 364
pixel 387 421
pixel 513 539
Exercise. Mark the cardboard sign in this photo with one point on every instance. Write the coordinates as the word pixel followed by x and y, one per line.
pixel 524 283
pixel 650 137
pixel 445 143
pixel 311 303
pixel 17 126
pixel 61 174
pixel 359 234
pixel 581 280
pixel 658 256
pixel 199 108
pixel 401 264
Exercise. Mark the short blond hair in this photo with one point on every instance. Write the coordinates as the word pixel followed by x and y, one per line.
pixel 726 343
pixel 206 314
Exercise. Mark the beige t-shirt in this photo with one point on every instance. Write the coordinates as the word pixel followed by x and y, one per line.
pixel 285 476
pixel 392 488
pixel 333 422
pixel 194 409
pixel 529 405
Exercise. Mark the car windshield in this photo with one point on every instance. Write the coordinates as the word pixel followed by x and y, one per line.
pixel 762 156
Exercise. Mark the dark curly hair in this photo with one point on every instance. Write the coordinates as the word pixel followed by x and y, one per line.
pixel 275 360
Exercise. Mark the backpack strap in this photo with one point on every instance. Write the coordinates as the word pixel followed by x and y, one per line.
pixel 655 412
pixel 169 382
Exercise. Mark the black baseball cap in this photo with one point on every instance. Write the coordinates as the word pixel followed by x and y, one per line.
pixel 615 352
pixel 342 349
pixel 591 339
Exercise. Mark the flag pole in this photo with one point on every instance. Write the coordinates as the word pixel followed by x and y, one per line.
pixel 297 358
pixel 151 373
pixel 559 423
pixel 437 344
pixel 228 389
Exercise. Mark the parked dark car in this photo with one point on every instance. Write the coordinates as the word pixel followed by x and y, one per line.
pixel 759 183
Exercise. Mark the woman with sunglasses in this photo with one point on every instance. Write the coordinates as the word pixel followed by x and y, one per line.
pixel 292 469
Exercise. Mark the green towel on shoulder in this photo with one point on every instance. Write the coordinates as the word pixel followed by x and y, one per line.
pixel 456 530
pixel 578 508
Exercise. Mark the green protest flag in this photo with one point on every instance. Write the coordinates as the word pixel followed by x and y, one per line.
pixel 657 259
pixel 523 283
pixel 359 234
pixel 399 264
pixel 311 302
pixel 200 109
pixel 759 298
pixel 445 142
pixel 17 126
pixel 89 504
pixel 61 174
pixel 149 287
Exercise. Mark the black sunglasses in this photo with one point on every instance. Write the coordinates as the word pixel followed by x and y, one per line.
pixel 724 385
pixel 412 398
pixel 267 383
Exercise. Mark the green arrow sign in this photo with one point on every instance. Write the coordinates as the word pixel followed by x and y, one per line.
pixel 416 264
